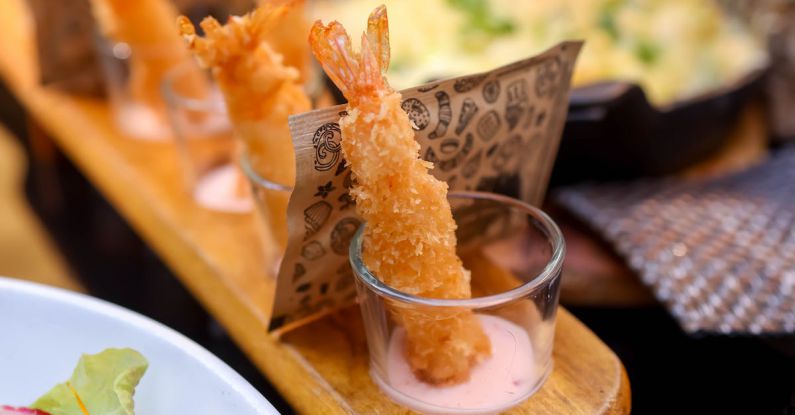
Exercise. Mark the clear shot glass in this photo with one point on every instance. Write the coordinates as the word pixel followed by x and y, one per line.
pixel 137 106
pixel 205 142
pixel 271 200
pixel 515 253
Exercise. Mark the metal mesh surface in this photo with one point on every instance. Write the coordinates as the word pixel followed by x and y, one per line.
pixel 719 254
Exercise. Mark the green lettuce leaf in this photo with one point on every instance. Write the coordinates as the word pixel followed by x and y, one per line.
pixel 105 383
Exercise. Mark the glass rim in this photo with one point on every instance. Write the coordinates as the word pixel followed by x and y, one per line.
pixel 194 104
pixel 105 46
pixel 552 268
pixel 255 178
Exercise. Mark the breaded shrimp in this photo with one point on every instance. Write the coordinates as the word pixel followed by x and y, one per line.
pixel 147 27
pixel 260 93
pixel 288 37
pixel 410 240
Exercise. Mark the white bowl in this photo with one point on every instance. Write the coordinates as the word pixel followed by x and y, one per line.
pixel 44 330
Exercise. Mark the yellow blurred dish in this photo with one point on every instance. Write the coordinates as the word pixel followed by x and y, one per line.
pixel 674 49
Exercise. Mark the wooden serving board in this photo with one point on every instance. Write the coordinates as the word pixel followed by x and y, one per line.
pixel 319 368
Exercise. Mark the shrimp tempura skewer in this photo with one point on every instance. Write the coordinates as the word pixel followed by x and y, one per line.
pixel 147 26
pixel 260 93
pixel 410 238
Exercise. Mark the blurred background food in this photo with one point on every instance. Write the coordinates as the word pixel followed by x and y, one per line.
pixel 657 87
pixel 675 49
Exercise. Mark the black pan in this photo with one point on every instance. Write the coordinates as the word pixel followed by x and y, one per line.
pixel 613 132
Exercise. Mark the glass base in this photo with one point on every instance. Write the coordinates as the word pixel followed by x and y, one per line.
pixel 426 408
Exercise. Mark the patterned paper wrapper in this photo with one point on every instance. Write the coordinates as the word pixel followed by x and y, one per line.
pixel 496 131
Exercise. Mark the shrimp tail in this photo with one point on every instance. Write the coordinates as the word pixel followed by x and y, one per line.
pixel 222 43
pixel 332 48
pixel 378 36
pixel 357 75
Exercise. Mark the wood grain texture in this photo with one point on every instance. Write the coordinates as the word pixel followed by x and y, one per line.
pixel 320 368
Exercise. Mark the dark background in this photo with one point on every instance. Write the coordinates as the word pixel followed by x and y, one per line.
pixel 669 371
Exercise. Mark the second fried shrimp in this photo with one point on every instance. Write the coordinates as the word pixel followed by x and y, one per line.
pixel 260 91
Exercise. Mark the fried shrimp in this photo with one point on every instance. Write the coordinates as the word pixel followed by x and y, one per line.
pixel 410 240
pixel 260 91
pixel 147 27
pixel 288 36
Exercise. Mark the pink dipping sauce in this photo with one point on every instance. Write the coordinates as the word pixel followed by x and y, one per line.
pixel 217 190
pixel 497 383
pixel 143 123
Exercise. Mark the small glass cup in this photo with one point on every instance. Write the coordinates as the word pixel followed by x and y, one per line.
pixel 271 200
pixel 515 253
pixel 205 142
pixel 137 106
